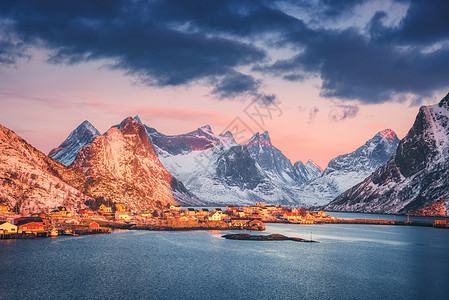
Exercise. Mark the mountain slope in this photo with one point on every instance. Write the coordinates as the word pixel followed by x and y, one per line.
pixel 415 177
pixel 306 172
pixel 122 166
pixel 80 137
pixel 349 169
pixel 33 182
pixel 276 165
pixel 219 171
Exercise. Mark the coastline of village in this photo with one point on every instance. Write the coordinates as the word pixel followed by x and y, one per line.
pixel 105 219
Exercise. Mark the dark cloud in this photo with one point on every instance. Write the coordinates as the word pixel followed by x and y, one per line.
pixel 376 68
pixel 235 84
pixel 426 22
pixel 343 112
pixel 176 42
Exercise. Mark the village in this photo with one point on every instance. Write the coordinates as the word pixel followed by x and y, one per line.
pixel 61 221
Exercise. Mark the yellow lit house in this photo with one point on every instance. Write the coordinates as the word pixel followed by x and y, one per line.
pixel 105 210
pixel 216 216
pixel 7 228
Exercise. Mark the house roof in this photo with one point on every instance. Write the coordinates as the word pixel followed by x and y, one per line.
pixel 27 223
pixel 26 220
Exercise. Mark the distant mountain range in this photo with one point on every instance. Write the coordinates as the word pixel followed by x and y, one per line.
pixel 219 171
pixel 415 177
pixel 347 170
pixel 144 169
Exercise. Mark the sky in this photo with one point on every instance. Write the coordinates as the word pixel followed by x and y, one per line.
pixel 322 77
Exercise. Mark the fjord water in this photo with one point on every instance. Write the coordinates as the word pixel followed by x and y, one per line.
pixel 350 262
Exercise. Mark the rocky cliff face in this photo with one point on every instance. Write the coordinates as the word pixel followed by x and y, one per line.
pixel 415 177
pixel 276 164
pixel 121 165
pixel 349 169
pixel 80 137
pixel 31 182
pixel 306 172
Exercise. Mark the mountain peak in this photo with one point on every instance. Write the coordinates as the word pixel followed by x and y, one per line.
pixel 137 119
pixel 127 121
pixel 444 102
pixel 260 140
pixel 312 163
pixel 389 134
pixel 265 136
pixel 227 134
pixel 86 125
pixel 77 139
pixel 206 129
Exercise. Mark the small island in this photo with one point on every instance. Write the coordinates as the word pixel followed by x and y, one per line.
pixel 270 237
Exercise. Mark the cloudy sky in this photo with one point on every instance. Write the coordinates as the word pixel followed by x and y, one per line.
pixel 321 76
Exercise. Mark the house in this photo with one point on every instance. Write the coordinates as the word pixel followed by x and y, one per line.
pixel 147 215
pixel 3 208
pixel 94 225
pixel 292 216
pixel 7 228
pixel 105 210
pixel 239 222
pixel 216 216
pixel 167 214
pixel 86 213
pixel 255 223
pixel 184 218
pixel 175 208
pixel 249 209
pixel 119 207
pixel 122 216
pixel 32 227
pixel 203 212
pixel 60 211
pixel 190 212
pixel 271 208
pixel 241 214
pixel 23 220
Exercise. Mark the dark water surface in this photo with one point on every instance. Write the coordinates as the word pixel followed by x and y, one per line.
pixel 350 262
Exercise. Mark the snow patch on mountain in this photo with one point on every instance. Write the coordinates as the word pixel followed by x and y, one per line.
pixel 415 177
pixel 349 169
pixel 79 138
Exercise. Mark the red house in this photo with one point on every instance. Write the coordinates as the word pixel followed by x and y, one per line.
pixel 94 225
pixel 35 227
pixel 86 213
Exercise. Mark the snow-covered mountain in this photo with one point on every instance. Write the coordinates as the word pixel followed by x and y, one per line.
pixel 276 165
pixel 121 166
pixel 78 138
pixel 31 182
pixel 415 177
pixel 306 172
pixel 219 171
pixel 349 169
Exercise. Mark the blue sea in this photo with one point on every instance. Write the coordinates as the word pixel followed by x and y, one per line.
pixel 350 262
